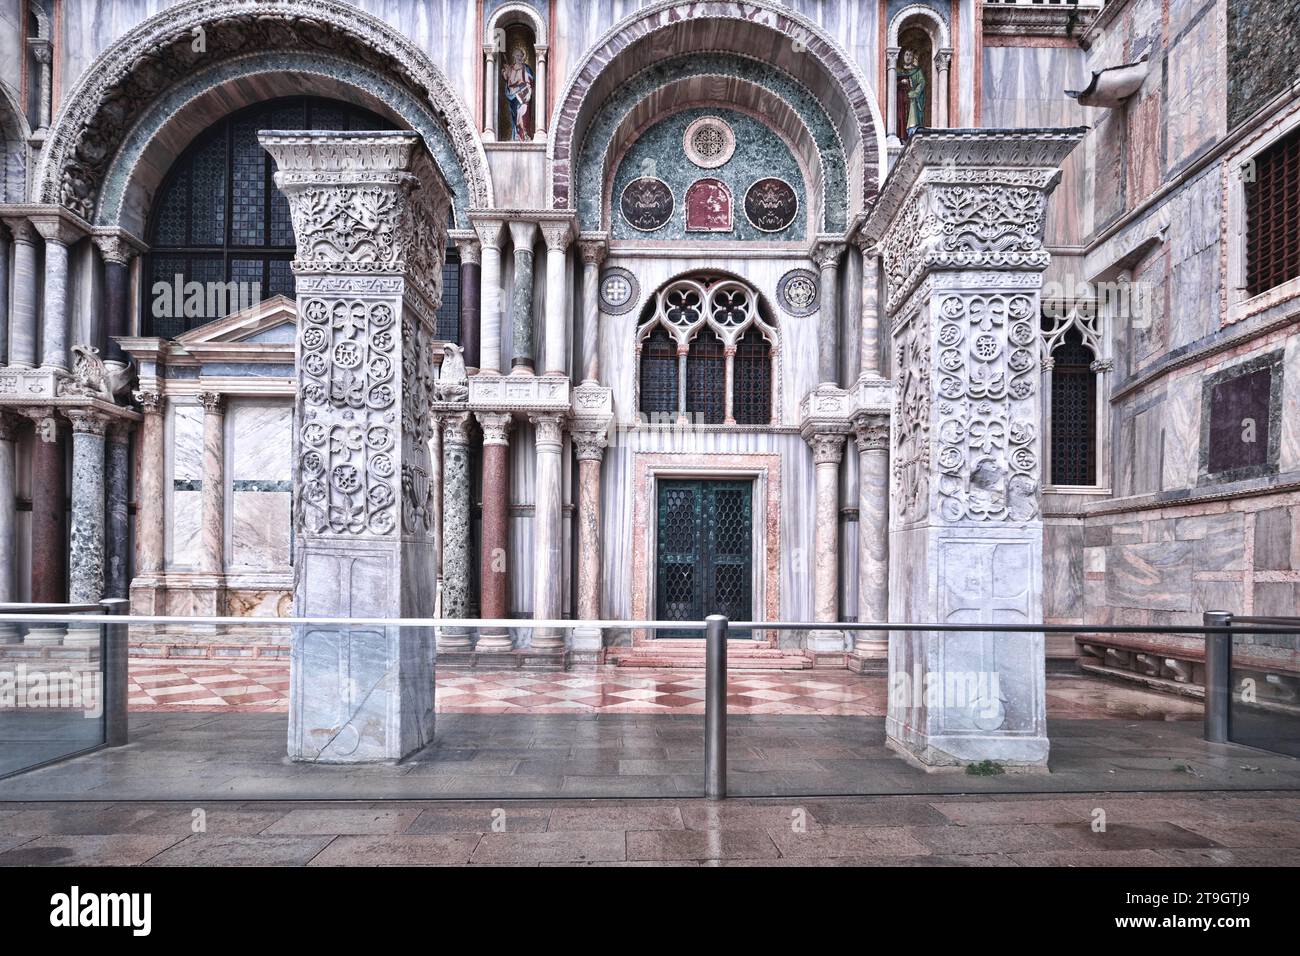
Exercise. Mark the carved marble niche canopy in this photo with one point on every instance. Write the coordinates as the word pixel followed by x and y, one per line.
pixel 960 225
pixel 367 212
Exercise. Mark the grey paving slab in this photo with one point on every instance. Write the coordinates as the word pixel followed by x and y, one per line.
pixel 556 846
pixel 700 845
pixel 443 849
pixel 343 820
pixel 88 850
pixel 834 841
pixel 230 850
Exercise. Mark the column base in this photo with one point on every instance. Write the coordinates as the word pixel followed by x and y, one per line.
pixel 455 638
pixel 954 753
pixel 861 663
pixel 494 640
pixel 45 635
pixel 825 642
pixel 82 636
pixel 588 639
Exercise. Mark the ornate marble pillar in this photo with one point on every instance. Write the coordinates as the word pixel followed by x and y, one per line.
pixel 457 548
pixel 966 534
pixel 494 592
pixel 115 320
pixel 557 236
pixel 870 648
pixel 212 538
pixel 146 588
pixel 942 68
pixel 362 491
pixel 49 538
pixel 593 254
pixel 828 451
pixel 826 253
pixel 22 316
pixel 86 552
pixel 540 119
pixel 489 233
pixel 43 50
pixel 521 305
pixel 891 95
pixel 58 236
pixel 590 446
pixel 117 523
pixel 470 312
pixel 8 508
pixel 548 567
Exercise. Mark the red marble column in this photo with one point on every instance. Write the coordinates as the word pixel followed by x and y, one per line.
pixel 493 570
pixel 49 522
pixel 470 273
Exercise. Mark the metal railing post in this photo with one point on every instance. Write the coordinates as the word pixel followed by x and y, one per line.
pixel 715 707
pixel 1218 676
pixel 116 660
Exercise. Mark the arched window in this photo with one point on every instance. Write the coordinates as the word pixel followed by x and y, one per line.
pixel 219 221
pixel 729 359
pixel 1072 375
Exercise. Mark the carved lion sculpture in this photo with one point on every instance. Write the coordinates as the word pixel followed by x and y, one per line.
pixel 92 378
pixel 453 380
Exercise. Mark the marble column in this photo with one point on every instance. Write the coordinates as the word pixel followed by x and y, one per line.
pixel 521 305
pixel 827 256
pixel 43 50
pixel 548 567
pixel 212 537
pixel 8 507
pixel 557 235
pixel 58 236
pixel 593 254
pixel 115 320
pixel 489 233
pixel 364 539
pixel 489 94
pixel 470 314
pixel 870 648
pixel 828 451
pixel 86 551
pixel 942 68
pixel 457 548
pixel 966 533
pixel 590 447
pixel 23 315
pixel 49 510
pixel 494 592
pixel 4 297
pixel 891 95
pixel 869 342
pixel 146 592
pixel 117 525
pixel 540 119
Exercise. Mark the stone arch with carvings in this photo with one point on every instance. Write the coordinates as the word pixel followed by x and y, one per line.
pixel 14 133
pixel 220 41
pixel 786 41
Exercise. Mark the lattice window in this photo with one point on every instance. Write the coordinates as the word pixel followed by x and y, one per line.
pixel 1074 412
pixel 219 218
pixel 659 373
pixel 449 310
pixel 706 379
pixel 1273 216
pixel 752 398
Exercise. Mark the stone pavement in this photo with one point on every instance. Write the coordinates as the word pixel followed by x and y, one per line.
pixel 1194 829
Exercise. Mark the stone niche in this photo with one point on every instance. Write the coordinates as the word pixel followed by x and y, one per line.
pixel 368 214
pixel 960 226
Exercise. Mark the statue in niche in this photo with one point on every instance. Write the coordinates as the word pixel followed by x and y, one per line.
pixel 913 83
pixel 517 85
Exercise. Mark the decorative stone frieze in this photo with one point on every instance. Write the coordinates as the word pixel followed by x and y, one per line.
pixel 519 393
pixel 368 211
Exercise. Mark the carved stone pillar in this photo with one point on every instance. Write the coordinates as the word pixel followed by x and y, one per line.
pixel 58 235
pixel 49 508
pixel 489 233
pixel 86 552
pixel 8 507
pixel 827 256
pixel 548 568
pixel 961 225
pixel 470 311
pixel 590 446
pixel 362 490
pixel 871 648
pixel 117 521
pixel 869 343
pixel 22 317
pixel 494 561
pixel 942 68
pixel 557 235
pixel 521 304
pixel 828 451
pixel 457 548
pixel 115 320
pixel 43 51
pixel 539 97
pixel 593 254
pixel 489 94
pixel 891 95
pixel 146 588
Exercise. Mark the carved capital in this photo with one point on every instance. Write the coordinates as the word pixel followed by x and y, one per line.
pixel 85 422
pixel 22 229
pixel 42 49
pixel 871 431
pixel 55 228
pixel 470 252
pixel 115 249
pixel 213 402
pixel 826 253
pixel 943 60
pixel 489 232
pixel 456 428
pixel 827 448
pixel 590 444
pixel 593 251
pixel 496 427
pixel 558 235
pixel 149 400
pixel 550 431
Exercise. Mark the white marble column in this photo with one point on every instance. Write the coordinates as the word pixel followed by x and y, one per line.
pixel 87 542
pixel 590 447
pixel 43 50
pixel 891 95
pixel 524 359
pixel 8 508
pixel 212 537
pixel 23 314
pixel 557 235
pixel 151 468
pixel 539 97
pixel 870 648
pixel 826 253
pixel 828 451
pixel 489 94
pixel 58 236
pixel 593 254
pixel 548 568
pixel 869 316
pixel 457 548
pixel 942 69
pixel 489 233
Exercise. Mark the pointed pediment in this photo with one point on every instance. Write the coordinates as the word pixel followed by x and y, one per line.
pixel 272 321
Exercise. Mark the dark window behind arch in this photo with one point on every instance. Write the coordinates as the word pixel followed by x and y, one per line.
pixel 1073 413
pixel 706 372
pixel 218 217
pixel 1273 216
pixel 751 402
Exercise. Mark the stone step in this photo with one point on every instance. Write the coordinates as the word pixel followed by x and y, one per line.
pixel 689 655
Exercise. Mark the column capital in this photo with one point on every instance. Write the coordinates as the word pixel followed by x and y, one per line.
pixel 87 422
pixel 892 52
pixel 827 447
pixel 455 428
pixel 115 249
pixel 22 229
pixel 593 251
pixel 522 233
pixel 489 231
pixel 943 59
pixel 41 48
pixel 558 235
pixel 55 227
pixel 467 246
pixel 590 443
pixel 149 400
pixel 213 403
pixel 871 431
pixel 550 430
pixel 496 427
pixel 826 251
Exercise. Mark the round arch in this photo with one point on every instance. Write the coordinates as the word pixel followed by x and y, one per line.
pixel 759 29
pixel 511 13
pixel 935 24
pixel 168 49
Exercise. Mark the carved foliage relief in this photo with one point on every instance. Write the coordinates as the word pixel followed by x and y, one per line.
pixel 911 457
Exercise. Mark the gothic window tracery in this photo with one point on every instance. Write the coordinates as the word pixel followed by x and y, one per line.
pixel 707 351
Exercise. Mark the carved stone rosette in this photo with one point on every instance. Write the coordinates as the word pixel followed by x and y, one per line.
pixel 960 225
pixel 367 211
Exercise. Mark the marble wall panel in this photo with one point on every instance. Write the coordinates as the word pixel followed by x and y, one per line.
pixel 1289 445
pixel 260 441
pixel 1273 538
pixel 1194 100
pixel 1181 420
pixel 259 529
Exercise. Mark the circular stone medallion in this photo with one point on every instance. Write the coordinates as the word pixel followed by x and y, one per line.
pixel 709 142
pixel 618 290
pixel 798 291
pixel 646 203
pixel 771 204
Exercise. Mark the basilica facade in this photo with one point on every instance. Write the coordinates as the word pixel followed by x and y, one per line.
pixel 819 312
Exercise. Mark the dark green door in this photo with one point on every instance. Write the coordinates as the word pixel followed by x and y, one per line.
pixel 705 560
